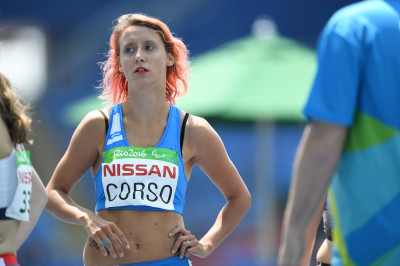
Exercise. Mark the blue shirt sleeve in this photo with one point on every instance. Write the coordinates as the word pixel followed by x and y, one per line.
pixel 334 93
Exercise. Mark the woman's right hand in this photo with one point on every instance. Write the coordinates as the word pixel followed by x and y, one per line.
pixel 187 244
pixel 102 230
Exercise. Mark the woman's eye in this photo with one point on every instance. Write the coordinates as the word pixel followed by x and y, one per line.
pixel 128 50
pixel 149 47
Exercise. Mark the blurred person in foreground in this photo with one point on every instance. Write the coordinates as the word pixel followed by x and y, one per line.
pixel 141 151
pixel 352 140
pixel 22 193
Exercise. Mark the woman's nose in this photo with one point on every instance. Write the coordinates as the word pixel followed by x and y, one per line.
pixel 139 57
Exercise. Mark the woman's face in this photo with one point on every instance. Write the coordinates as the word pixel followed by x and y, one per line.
pixel 143 58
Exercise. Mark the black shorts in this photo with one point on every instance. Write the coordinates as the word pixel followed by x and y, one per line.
pixel 3 214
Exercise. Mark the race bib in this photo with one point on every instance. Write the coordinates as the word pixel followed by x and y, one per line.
pixel 140 177
pixel 19 208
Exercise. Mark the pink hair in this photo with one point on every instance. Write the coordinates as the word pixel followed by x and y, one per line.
pixel 114 83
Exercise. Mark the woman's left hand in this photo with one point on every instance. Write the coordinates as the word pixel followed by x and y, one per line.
pixel 187 243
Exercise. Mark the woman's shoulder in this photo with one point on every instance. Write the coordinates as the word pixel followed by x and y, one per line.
pixel 202 140
pixel 96 116
pixel 195 122
pixel 94 122
pixel 198 128
pixel 6 144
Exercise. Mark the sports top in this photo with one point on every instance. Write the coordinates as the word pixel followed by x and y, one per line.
pixel 141 178
pixel 8 180
pixel 15 185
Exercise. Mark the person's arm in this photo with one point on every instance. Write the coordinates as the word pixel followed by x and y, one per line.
pixel 38 201
pixel 211 156
pixel 310 233
pixel 82 153
pixel 318 154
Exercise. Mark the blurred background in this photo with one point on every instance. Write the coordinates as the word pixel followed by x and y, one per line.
pixel 252 66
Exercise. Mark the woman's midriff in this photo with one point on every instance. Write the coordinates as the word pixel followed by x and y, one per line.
pixel 147 234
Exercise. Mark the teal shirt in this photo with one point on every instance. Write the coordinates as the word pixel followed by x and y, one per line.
pixel 357 85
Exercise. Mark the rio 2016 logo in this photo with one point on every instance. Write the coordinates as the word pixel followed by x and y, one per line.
pixel 131 153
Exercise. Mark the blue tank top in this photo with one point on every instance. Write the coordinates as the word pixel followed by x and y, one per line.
pixel 137 178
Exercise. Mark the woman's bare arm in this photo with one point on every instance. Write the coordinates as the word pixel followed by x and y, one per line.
pixel 38 201
pixel 81 155
pixel 210 154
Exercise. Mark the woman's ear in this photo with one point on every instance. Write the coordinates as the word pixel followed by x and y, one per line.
pixel 170 60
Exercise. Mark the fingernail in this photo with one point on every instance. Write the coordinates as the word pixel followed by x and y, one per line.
pixel 170 234
pixel 173 251
pixel 128 247
pixel 114 256
pixel 121 255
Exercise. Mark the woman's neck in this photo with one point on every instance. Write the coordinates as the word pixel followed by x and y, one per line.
pixel 145 109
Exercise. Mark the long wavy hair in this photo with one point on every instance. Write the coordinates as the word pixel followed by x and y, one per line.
pixel 114 84
pixel 13 113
